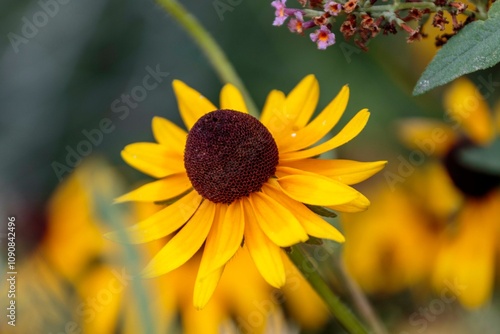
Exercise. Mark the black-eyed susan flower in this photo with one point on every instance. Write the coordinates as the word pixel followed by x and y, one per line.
pixel 469 244
pixel 234 179
pixel 404 218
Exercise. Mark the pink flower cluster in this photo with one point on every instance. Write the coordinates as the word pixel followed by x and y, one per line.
pixel 323 36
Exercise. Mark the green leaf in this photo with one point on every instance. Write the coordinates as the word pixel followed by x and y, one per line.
pixel 314 241
pixel 319 210
pixel 484 159
pixel 475 47
pixel 173 199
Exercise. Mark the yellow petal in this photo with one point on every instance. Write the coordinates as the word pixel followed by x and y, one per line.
pixel 153 159
pixel 276 221
pixel 301 102
pixel 314 189
pixel 224 238
pixel 476 268
pixel 320 126
pixel 435 190
pixel 466 106
pixel 361 203
pixel 161 223
pixel 265 254
pixel 432 137
pixel 313 225
pixel 351 130
pixel 169 134
pixel 204 287
pixel 163 189
pixel 273 110
pixel 184 244
pixel 192 105
pixel 285 115
pixel 345 171
pixel 467 263
pixel 231 98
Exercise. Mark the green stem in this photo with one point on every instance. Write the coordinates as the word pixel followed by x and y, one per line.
pixel 115 216
pixel 359 299
pixel 401 6
pixel 342 313
pixel 224 69
pixel 396 6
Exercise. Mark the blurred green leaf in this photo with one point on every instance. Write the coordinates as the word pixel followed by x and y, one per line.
pixel 474 48
pixel 319 210
pixel 485 159
pixel 314 241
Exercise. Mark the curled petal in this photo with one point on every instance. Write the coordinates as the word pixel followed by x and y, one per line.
pixel 314 189
pixel 345 171
pixel 351 130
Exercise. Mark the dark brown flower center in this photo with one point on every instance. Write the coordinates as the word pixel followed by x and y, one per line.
pixel 229 155
pixel 472 182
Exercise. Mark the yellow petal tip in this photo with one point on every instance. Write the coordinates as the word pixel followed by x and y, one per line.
pixel 177 82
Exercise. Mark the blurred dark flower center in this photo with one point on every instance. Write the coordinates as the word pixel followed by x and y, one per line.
pixel 229 155
pixel 472 182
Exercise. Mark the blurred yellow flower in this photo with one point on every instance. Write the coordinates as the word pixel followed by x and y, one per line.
pixel 469 253
pixel 469 244
pixel 251 180
pixel 75 280
pixel 400 232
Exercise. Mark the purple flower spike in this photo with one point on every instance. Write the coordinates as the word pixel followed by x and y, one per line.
pixel 323 37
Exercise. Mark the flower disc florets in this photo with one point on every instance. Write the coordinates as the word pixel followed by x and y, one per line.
pixel 229 155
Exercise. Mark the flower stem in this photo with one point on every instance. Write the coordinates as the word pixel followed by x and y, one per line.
pixel 359 299
pixel 209 46
pixel 342 313
pixel 397 6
